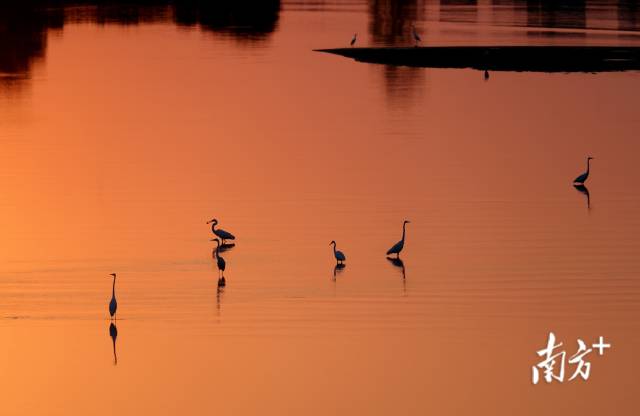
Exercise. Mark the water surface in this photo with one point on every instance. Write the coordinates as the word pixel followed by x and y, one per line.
pixel 124 130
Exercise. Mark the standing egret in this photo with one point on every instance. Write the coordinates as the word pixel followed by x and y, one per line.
pixel 113 305
pixel 354 39
pixel 339 255
pixel 397 247
pixel 221 263
pixel 580 180
pixel 416 37
pixel 222 234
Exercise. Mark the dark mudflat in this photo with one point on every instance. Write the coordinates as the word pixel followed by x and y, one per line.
pixel 502 58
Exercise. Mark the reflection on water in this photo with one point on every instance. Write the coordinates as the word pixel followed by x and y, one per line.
pixel 113 158
pixel 113 333
pixel 585 191
pixel 24 26
pixel 390 20
pixel 338 269
pixel 397 262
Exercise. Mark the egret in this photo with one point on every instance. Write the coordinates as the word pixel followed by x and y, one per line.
pixel 354 39
pixel 580 180
pixel 222 234
pixel 397 247
pixel 221 263
pixel 339 255
pixel 113 305
pixel 416 37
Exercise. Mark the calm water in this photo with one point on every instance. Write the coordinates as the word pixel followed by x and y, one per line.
pixel 125 129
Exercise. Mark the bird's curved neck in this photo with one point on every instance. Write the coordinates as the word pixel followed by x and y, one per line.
pixel 404 226
pixel 113 288
pixel 334 248
pixel 588 163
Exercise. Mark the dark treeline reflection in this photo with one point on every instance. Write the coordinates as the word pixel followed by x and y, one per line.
pixel 390 20
pixel 24 23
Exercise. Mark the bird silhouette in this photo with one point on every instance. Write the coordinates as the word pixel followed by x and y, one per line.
pixel 339 255
pixel 113 304
pixel 580 180
pixel 416 36
pixel 397 247
pixel 354 39
pixel 222 234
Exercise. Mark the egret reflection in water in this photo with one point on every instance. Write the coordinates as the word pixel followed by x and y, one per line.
pixel 585 191
pixel 219 294
pixel 226 247
pixel 339 268
pixel 113 333
pixel 397 262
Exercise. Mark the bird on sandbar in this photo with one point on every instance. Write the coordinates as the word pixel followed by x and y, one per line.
pixel 416 37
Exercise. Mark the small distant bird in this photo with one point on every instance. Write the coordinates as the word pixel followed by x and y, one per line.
pixel 486 75
pixel 397 247
pixel 113 305
pixel 339 255
pixel 220 261
pixel 416 37
pixel 580 180
pixel 354 39
pixel 222 234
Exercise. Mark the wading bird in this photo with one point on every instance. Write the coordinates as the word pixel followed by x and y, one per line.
pixel 580 180
pixel 397 247
pixel 354 39
pixel 416 37
pixel 113 305
pixel 220 261
pixel 339 255
pixel 222 234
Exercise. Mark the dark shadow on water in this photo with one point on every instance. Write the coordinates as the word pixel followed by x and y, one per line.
pixel 584 191
pixel 113 333
pixel 219 295
pixel 226 247
pixel 338 269
pixel 222 282
pixel 399 264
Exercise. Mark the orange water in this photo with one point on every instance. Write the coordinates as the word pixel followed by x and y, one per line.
pixel 121 141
